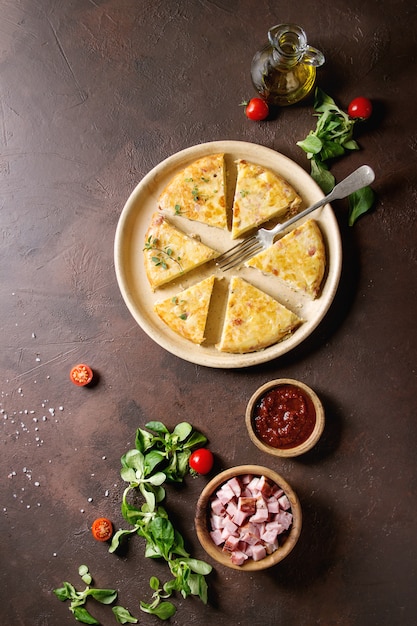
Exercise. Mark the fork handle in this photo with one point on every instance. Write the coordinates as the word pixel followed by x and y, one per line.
pixel 360 178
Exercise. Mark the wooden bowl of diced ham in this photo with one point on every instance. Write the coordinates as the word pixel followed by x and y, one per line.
pixel 248 518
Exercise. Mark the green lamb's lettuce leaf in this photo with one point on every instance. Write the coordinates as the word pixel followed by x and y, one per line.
pixel 79 598
pixel 332 138
pixel 123 616
pixel 359 203
pixel 161 456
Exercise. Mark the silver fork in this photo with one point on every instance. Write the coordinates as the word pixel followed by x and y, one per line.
pixel 264 238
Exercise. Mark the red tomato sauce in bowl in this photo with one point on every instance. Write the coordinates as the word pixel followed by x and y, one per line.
pixel 284 417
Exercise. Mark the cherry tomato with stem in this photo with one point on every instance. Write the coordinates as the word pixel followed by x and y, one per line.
pixel 256 109
pixel 81 375
pixel 360 108
pixel 201 461
pixel 102 529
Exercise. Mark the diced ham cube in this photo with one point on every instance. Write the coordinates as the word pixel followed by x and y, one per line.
pixel 274 525
pixel 262 513
pixel 238 557
pixel 255 529
pixel 285 519
pixel 271 547
pixel 247 504
pixel 249 538
pixel 230 526
pixel 225 533
pixel 217 521
pixel 246 478
pixel 239 517
pixel 231 508
pixel 260 516
pixel 247 550
pixel 235 486
pixel 252 486
pixel 217 507
pixel 264 486
pixel 261 503
pixel 273 505
pixel 225 494
pixel 258 552
pixel 269 536
pixel 216 536
pixel 284 503
pixel 231 543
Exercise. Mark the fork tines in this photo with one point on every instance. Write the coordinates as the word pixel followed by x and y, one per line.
pixel 239 253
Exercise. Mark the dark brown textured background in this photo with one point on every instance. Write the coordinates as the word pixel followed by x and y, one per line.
pixel 93 94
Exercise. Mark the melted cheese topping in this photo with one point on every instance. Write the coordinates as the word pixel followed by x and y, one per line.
pixel 169 253
pixel 299 259
pixel 186 313
pixel 259 196
pixel 253 319
pixel 198 192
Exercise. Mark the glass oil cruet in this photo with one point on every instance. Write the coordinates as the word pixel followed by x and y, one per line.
pixel 284 71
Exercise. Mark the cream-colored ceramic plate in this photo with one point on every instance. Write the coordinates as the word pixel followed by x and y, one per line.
pixel 134 286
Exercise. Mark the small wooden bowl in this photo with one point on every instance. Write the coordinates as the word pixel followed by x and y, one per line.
pixel 203 513
pixel 308 443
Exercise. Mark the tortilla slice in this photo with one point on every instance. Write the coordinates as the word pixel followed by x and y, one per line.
pixel 186 313
pixel 299 259
pixel 169 253
pixel 253 319
pixel 198 192
pixel 260 195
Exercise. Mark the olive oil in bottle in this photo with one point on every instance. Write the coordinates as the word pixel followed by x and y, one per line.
pixel 284 71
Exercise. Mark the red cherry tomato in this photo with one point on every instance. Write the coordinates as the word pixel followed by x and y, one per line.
pixel 81 375
pixel 102 529
pixel 201 461
pixel 256 109
pixel 360 108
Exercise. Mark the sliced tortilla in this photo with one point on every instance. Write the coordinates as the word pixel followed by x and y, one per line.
pixel 260 195
pixel 198 192
pixel 186 312
pixel 169 253
pixel 299 259
pixel 253 319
